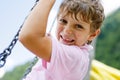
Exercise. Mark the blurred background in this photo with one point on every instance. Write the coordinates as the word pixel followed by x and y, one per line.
pixel 13 14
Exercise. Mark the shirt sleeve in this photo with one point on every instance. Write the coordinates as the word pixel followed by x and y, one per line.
pixel 65 59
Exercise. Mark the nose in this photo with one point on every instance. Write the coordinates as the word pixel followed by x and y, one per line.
pixel 67 29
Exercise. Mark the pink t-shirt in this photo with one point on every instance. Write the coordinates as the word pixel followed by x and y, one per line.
pixel 67 63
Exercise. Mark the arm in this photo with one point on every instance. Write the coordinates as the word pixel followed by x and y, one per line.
pixel 33 33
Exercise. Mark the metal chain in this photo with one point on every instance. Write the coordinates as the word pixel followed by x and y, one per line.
pixel 29 69
pixel 6 52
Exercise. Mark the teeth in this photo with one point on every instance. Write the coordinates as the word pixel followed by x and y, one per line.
pixel 67 39
pixel 70 40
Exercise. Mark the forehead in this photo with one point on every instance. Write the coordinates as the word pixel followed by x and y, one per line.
pixel 73 20
pixel 75 16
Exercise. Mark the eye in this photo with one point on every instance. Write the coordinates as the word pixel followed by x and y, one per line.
pixel 63 21
pixel 78 26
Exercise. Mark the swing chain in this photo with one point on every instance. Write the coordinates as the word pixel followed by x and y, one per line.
pixel 8 50
pixel 29 69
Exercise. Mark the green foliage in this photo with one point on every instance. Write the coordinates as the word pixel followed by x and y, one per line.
pixel 20 71
pixel 16 74
pixel 108 42
pixel 107 47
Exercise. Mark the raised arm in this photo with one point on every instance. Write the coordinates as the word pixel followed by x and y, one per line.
pixel 33 33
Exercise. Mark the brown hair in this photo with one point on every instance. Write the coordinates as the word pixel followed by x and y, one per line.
pixel 90 11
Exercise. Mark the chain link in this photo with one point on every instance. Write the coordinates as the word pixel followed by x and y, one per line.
pixel 29 69
pixel 8 50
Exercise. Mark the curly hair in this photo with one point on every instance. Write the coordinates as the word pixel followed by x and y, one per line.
pixel 90 11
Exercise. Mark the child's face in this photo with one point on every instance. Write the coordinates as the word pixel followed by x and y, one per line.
pixel 72 32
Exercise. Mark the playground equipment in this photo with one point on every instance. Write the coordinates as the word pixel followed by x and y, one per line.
pixel 99 71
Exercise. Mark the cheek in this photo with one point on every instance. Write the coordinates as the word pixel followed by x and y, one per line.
pixel 81 38
pixel 58 31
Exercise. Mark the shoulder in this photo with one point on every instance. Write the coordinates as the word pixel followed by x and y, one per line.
pixel 68 53
pixel 58 47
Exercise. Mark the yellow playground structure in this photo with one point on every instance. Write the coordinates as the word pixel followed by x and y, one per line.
pixel 101 71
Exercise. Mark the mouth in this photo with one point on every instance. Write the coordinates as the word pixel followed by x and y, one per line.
pixel 67 41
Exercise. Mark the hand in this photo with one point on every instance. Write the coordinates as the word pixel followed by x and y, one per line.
pixel 37 0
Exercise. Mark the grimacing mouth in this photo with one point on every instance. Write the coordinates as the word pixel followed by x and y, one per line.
pixel 67 40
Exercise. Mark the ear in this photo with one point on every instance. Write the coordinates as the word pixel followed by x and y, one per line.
pixel 94 34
